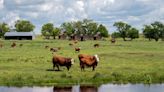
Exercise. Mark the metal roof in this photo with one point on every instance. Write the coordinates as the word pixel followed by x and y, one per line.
pixel 19 34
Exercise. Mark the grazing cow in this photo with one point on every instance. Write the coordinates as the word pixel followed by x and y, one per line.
pixel 20 45
pixel 96 45
pixel 13 45
pixel 70 44
pixel 113 40
pixel 88 60
pixel 46 46
pixel 77 49
pixel 75 42
pixel 54 49
pixel 1 45
pixel 62 61
pixel 59 48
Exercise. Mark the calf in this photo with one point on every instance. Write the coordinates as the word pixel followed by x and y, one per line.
pixel 62 61
pixel 96 45
pixel 1 45
pixel 46 47
pixel 88 60
pixel 75 42
pixel 20 45
pixel 77 49
pixel 54 49
pixel 113 40
pixel 13 45
pixel 70 44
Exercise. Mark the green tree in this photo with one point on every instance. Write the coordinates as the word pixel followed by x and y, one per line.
pixel 68 27
pixel 56 32
pixel 132 33
pixel 103 30
pixel 122 28
pixel 92 28
pixel 116 35
pixel 3 29
pixel 147 32
pixel 80 27
pixel 154 31
pixel 24 26
pixel 47 30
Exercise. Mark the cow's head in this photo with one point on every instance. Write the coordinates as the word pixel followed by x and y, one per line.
pixel 72 61
pixel 96 57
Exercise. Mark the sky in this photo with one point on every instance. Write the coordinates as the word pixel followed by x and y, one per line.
pixel 134 12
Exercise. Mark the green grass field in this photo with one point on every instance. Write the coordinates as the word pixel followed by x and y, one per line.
pixel 138 61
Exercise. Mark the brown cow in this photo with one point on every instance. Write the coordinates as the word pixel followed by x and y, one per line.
pixel 96 45
pixel 1 45
pixel 75 41
pixel 59 48
pixel 13 45
pixel 70 44
pixel 46 47
pixel 20 45
pixel 88 60
pixel 54 49
pixel 62 61
pixel 77 49
pixel 113 40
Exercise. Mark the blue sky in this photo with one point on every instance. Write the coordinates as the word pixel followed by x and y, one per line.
pixel 135 12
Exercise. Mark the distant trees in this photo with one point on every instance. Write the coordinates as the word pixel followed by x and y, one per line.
pixel 84 27
pixel 55 32
pixel 103 30
pixel 126 31
pixel 24 26
pixel 154 31
pixel 68 28
pixel 3 29
pixel 90 28
pixel 49 30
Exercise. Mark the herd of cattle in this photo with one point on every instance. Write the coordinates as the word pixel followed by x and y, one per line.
pixel 57 60
pixel 85 60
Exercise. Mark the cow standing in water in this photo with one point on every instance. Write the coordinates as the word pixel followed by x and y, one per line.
pixel 62 61
pixel 88 60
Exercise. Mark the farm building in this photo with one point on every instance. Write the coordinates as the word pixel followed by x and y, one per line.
pixel 19 35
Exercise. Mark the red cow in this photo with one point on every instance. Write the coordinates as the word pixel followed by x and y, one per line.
pixel 88 60
pixel 62 61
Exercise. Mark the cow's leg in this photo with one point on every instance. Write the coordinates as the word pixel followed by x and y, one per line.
pixel 82 67
pixel 68 67
pixel 53 66
pixel 58 67
pixel 93 68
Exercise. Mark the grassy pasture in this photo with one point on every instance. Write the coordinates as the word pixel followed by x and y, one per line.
pixel 137 61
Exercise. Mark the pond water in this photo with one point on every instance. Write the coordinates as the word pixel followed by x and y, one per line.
pixel 77 88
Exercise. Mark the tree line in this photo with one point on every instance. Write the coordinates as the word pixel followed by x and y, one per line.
pixel 88 27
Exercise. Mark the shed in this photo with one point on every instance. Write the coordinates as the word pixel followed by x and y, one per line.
pixel 19 35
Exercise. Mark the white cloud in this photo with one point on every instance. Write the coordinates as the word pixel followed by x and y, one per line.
pixel 135 12
pixel 1 4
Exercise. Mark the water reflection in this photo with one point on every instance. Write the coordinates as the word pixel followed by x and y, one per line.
pixel 88 89
pixel 62 89
pixel 102 88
